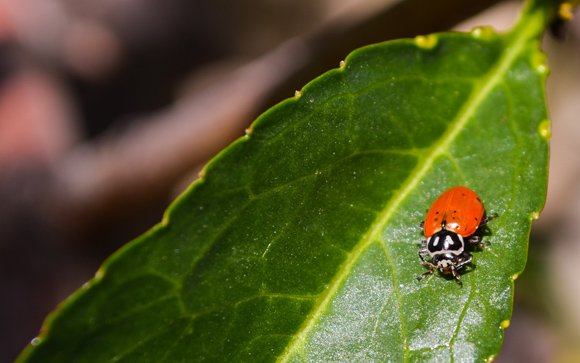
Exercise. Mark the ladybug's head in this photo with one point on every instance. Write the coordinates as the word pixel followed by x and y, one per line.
pixel 445 242
pixel 445 262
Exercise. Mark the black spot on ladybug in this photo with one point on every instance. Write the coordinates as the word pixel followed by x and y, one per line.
pixel 476 219
pixel 479 200
pixel 436 219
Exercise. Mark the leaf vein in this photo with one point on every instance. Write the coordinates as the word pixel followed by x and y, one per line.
pixel 466 113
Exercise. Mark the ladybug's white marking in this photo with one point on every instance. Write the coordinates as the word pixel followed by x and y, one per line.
pixel 448 242
pixel 436 242
pixel 444 263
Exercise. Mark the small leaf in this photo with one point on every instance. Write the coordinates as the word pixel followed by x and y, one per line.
pixel 300 242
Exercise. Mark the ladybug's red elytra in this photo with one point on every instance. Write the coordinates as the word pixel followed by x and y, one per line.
pixel 451 221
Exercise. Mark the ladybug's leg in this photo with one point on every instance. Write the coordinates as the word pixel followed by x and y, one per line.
pixel 454 272
pixel 430 265
pixel 463 260
pixel 475 240
pixel 422 276
pixel 422 253
pixel 466 258
pixel 422 224
pixel 487 219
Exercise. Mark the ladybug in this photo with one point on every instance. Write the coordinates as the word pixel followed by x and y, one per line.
pixel 450 224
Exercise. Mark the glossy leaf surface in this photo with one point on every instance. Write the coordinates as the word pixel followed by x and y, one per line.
pixel 300 241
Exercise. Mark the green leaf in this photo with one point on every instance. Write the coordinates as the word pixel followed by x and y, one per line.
pixel 300 241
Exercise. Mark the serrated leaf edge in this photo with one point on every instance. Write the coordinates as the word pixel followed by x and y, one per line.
pixel 518 39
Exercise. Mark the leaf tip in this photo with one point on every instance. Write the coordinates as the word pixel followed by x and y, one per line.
pixel 490 359
pixel 36 341
pixel 539 63
pixel 98 276
pixel 566 11
pixel 426 41
pixel 202 173
pixel 504 324
pixel 483 32
pixel 545 130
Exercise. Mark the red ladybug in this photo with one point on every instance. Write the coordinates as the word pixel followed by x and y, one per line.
pixel 451 221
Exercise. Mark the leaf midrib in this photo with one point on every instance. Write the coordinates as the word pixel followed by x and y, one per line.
pixel 519 38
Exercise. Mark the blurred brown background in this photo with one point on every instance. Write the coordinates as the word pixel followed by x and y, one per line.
pixel 109 109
